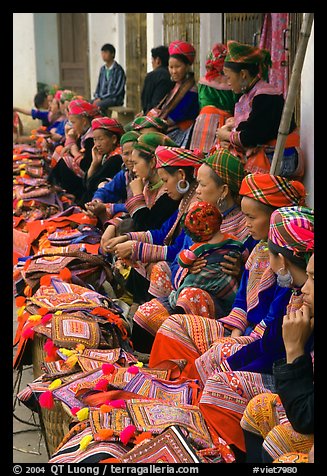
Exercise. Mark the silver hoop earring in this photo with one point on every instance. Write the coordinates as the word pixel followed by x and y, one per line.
pixel 285 279
pixel 244 86
pixel 181 189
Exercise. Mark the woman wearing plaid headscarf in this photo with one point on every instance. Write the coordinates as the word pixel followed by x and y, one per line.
pixel 216 100
pixel 251 134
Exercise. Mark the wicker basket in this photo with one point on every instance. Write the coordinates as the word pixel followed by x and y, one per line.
pixel 55 422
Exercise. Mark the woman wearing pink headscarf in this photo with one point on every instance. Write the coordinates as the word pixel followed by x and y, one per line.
pixel 71 162
pixel 180 106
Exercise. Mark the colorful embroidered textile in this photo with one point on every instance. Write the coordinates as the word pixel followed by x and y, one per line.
pixel 169 447
pixel 70 329
pixel 64 301
pixel 66 392
pixel 179 47
pixel 228 167
pixel 242 53
pixel 117 419
pixel 111 125
pixel 177 392
pixel 96 451
pixel 91 359
pixel 224 400
pixel 273 190
pixel 149 141
pixel 156 417
pixel 144 122
pixel 177 157
pixel 202 221
pixel 291 458
pixel 292 228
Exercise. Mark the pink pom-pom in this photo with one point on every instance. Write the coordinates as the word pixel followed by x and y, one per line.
pixel 127 434
pixel 46 400
pixel 108 369
pixel 133 369
pixel 101 385
pixel 28 333
pixel 50 348
pixel 119 403
pixel 46 318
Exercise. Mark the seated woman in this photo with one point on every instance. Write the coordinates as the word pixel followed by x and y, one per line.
pixel 71 162
pixel 203 224
pixel 110 196
pixel 149 205
pixel 106 155
pixel 252 133
pixel 259 298
pixel 230 387
pixel 282 423
pixel 216 100
pixel 180 107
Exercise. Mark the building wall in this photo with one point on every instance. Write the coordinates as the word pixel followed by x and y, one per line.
pixel 24 65
pixel 46 46
pixel 307 118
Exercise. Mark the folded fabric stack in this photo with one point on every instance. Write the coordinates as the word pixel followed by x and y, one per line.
pixel 97 401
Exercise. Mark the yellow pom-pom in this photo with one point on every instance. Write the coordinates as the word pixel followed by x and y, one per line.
pixel 85 441
pixel 20 203
pixel 83 414
pixel 139 364
pixel 35 317
pixel 71 361
pixel 55 384
pixel 80 348
pixel 22 173
pixel 20 311
pixel 67 352
pixel 57 313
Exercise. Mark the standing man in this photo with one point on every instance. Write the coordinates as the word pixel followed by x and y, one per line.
pixel 157 82
pixel 110 90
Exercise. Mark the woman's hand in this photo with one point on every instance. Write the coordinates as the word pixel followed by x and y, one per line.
pixel 223 133
pixel 236 332
pixel 232 265
pixel 198 265
pixel 96 156
pixel 111 244
pixel 95 208
pixel 109 233
pixel 297 328
pixel 137 186
pixel 124 250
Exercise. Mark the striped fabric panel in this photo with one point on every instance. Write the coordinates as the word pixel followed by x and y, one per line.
pixel 233 390
pixel 194 332
pixel 236 318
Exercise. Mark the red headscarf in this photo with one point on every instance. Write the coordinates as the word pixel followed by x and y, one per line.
pixel 109 124
pixel 273 190
pixel 179 47
pixel 80 106
pixel 215 61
